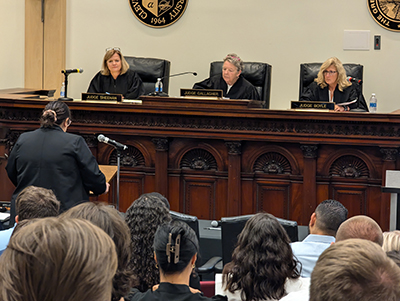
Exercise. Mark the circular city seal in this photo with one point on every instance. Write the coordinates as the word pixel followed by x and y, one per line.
pixel 158 13
pixel 386 13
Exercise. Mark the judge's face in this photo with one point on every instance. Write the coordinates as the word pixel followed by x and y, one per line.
pixel 230 73
pixel 331 76
pixel 114 64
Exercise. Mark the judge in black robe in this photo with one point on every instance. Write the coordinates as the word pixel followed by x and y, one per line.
pixel 115 77
pixel 241 89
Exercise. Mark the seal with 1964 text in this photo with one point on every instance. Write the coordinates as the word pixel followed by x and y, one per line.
pixel 158 13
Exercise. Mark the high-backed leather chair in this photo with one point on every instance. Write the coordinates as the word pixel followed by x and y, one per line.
pixel 232 226
pixel 191 220
pixel 258 74
pixel 149 69
pixel 309 71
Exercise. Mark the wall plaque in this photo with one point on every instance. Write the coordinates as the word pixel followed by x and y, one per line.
pixel 385 13
pixel 158 13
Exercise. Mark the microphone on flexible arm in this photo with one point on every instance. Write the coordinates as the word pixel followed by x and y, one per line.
pixel 158 88
pixel 354 80
pixel 109 141
pixel 68 71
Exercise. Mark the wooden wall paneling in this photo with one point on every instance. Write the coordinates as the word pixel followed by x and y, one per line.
pixel 296 203
pixel 248 195
pixel 309 179
pixel 199 196
pixel 354 198
pixel 54 44
pixel 273 197
pixel 174 190
pixel 34 41
pixel 45 44
pixel 221 197
pixel 161 165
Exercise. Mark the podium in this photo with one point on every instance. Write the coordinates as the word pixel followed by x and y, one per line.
pixel 393 187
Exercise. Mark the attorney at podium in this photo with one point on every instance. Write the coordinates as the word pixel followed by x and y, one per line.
pixel 231 82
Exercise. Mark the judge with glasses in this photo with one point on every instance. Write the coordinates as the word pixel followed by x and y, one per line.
pixel 332 85
pixel 115 77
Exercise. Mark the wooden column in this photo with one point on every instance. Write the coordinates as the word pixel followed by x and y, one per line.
pixel 234 177
pixel 309 181
pixel 161 165
pixel 389 157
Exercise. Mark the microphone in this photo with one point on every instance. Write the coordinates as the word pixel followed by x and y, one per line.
pixel 354 80
pixel 68 71
pixel 215 224
pixel 109 141
pixel 183 73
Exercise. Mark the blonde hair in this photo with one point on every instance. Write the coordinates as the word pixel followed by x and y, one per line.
pixel 342 77
pixel 58 259
pixel 391 241
pixel 107 56
pixel 235 60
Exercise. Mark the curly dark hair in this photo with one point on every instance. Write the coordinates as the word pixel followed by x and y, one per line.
pixel 143 217
pixel 261 261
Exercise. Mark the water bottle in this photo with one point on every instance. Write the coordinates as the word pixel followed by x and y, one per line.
pixel 373 103
pixel 62 91
pixel 159 85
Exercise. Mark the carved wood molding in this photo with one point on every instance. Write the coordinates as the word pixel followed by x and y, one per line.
pixel 272 163
pixel 198 159
pixel 131 157
pixel 309 151
pixel 234 147
pixel 161 144
pixel 389 154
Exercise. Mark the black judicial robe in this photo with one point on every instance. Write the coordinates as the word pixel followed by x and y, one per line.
pixel 171 292
pixel 56 160
pixel 128 84
pixel 242 89
pixel 315 93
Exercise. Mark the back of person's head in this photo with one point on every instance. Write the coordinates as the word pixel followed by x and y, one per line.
pixel 395 256
pixel 355 270
pixel 175 244
pixel 58 259
pixel 36 202
pixel 108 219
pixel 330 214
pixel 261 261
pixel 391 241
pixel 55 112
pixel 143 217
pixel 360 226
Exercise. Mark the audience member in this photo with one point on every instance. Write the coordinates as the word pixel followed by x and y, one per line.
pixel 108 219
pixel 391 241
pixel 262 266
pixel 324 223
pixel 354 270
pixel 58 259
pixel 32 202
pixel 143 217
pixel 360 226
pixel 175 252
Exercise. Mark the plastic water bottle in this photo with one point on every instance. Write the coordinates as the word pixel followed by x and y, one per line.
pixel 62 91
pixel 159 85
pixel 373 103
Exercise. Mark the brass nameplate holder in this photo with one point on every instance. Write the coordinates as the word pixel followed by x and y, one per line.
pixel 101 97
pixel 312 105
pixel 201 93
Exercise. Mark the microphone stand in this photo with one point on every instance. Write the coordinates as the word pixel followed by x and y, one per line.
pixel 65 98
pixel 163 94
pixel 118 173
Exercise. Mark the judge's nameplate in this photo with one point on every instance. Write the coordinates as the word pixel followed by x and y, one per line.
pixel 101 97
pixel 201 93
pixel 312 105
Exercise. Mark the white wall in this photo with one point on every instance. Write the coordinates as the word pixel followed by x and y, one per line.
pixel 282 33
pixel 12 36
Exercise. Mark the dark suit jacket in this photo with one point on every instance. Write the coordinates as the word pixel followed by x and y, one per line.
pixel 55 160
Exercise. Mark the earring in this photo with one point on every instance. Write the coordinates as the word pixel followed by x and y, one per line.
pixel 156 266
pixel 193 266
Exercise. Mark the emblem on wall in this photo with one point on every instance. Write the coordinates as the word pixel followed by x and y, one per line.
pixel 158 13
pixel 386 13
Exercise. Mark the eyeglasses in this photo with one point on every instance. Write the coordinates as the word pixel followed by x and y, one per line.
pixel 113 48
pixel 329 72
